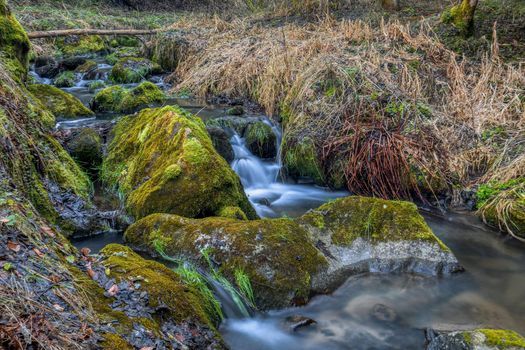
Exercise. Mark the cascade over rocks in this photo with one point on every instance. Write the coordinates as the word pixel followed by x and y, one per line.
pixel 163 161
pixel 290 260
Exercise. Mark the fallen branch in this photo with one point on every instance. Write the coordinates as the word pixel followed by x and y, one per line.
pixel 67 32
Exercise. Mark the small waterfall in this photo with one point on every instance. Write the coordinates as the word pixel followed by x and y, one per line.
pixel 269 194
pixel 253 171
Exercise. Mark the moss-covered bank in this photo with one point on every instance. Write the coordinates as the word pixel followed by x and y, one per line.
pixel 163 161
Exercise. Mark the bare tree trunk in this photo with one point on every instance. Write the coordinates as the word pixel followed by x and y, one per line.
pixel 462 16
pixel 68 32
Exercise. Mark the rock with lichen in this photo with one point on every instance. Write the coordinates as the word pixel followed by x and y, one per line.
pixel 163 161
pixel 478 339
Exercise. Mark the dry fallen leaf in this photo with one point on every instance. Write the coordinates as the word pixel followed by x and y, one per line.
pixel 113 290
pixel 13 246
pixel 85 251
pixel 147 348
pixel 55 278
pixel 38 252
pixel 48 230
pixel 4 220
pixel 91 273
pixel 58 307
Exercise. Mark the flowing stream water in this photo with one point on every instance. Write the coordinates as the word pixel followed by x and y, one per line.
pixel 370 311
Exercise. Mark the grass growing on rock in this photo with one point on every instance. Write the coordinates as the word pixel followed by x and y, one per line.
pixel 274 255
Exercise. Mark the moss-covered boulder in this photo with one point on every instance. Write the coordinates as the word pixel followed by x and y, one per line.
pixel 290 260
pixel 164 162
pixel 121 100
pixel 86 149
pixel 371 234
pixel 86 67
pixel 66 79
pixel 131 70
pixel 502 205
pixel 60 103
pixel 122 52
pixel 261 140
pixel 486 339
pixel 276 254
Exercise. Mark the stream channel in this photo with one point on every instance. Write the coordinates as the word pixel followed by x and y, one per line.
pixel 370 311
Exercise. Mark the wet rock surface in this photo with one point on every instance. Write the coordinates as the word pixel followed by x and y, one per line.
pixel 221 142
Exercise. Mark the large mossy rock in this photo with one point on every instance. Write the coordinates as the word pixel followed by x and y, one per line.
pixel 163 161
pixel 486 339
pixel 300 160
pixel 275 253
pixel 261 140
pixel 131 70
pixel 66 79
pixel 89 45
pixel 290 260
pixel 60 103
pixel 121 100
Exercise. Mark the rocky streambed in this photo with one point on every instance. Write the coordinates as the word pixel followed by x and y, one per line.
pixel 198 188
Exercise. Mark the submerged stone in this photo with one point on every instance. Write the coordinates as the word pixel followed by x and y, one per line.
pixel 288 260
pixel 60 103
pixel 163 161
pixel 86 149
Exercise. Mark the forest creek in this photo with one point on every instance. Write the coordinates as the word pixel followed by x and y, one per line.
pixel 269 174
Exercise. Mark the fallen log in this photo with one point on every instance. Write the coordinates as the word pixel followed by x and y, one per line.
pixel 67 32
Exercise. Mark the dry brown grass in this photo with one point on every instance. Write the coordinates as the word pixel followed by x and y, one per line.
pixel 324 76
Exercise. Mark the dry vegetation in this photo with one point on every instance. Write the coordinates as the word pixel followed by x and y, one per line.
pixel 388 94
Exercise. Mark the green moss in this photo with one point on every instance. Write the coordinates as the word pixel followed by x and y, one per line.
pixel 461 16
pixel 86 149
pixel 118 99
pixel 490 190
pixel 14 44
pixel 233 213
pixel 131 70
pixel 374 219
pixel 96 85
pixel 60 103
pixel 276 255
pixel 165 287
pixel 145 149
pixel 86 67
pixel 65 79
pixel 90 44
pixel 122 52
pixel 114 342
pixel 63 170
pixel 261 140
pixel 503 338
pixel 300 159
